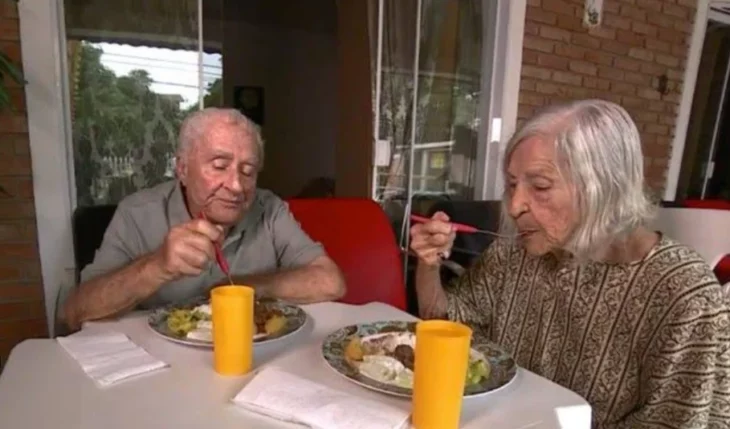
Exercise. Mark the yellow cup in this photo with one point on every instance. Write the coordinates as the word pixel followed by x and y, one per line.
pixel 233 329
pixel 442 359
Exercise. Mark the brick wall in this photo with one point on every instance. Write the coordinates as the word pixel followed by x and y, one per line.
pixel 622 60
pixel 22 311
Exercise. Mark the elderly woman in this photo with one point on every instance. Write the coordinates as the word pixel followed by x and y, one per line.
pixel 586 294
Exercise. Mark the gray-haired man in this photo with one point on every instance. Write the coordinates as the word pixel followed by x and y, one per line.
pixel 158 248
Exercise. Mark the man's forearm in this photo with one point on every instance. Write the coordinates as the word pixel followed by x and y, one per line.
pixel 431 296
pixel 315 282
pixel 113 293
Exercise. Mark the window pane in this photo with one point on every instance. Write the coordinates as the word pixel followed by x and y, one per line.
pixel 133 76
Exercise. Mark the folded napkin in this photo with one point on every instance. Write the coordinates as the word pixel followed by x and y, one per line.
pixel 109 357
pixel 281 395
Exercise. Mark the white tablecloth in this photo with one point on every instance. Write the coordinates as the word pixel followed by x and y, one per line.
pixel 43 387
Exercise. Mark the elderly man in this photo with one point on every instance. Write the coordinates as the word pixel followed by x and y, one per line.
pixel 584 292
pixel 159 246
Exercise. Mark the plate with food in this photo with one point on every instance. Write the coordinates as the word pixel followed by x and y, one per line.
pixel 380 356
pixel 192 323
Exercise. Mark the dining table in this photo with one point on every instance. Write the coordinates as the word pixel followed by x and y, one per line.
pixel 42 386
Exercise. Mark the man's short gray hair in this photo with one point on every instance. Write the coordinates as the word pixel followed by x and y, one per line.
pixel 197 124
pixel 598 148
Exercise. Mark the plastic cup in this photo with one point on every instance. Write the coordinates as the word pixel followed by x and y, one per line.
pixel 441 363
pixel 233 329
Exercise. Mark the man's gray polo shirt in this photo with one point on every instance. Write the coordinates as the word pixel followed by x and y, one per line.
pixel 268 238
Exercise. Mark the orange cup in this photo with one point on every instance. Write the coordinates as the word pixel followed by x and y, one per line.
pixel 441 363
pixel 233 329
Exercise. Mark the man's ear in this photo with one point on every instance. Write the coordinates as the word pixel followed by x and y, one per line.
pixel 181 170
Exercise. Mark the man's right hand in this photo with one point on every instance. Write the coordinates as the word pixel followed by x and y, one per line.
pixel 431 241
pixel 188 248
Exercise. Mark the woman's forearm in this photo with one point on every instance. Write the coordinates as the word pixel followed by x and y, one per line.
pixel 432 302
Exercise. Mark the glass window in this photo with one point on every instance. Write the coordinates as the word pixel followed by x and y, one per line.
pixel 134 73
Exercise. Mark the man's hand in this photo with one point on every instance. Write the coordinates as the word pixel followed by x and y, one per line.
pixel 187 249
pixel 432 241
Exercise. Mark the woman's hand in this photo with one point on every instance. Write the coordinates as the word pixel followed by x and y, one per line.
pixel 431 241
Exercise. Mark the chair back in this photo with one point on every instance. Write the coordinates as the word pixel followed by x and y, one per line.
pixel 705 230
pixel 357 235
pixel 88 226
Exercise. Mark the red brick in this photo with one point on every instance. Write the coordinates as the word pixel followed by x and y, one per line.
pixel 671 35
pixel 650 5
pixel 630 38
pixel 525 111
pixel 572 23
pixel 16 210
pixel 553 61
pixel 554 33
pixel 603 32
pixel 596 83
pixel 559 6
pixel 667 60
pixel 644 116
pixel 537 44
pixel 15 165
pixel 586 41
pixel 9 29
pixel 674 10
pixel 529 56
pixel 531 99
pixel 615 47
pixel 632 12
pixel 570 51
pixel 566 77
pixel 532 28
pixel 12 123
pixel 642 28
pixel 537 14
pixel 548 88
pixel 625 63
pixel 611 6
pixel 688 3
pixel 649 93
pixel 641 54
pixel 614 21
pixel 8 9
pixel 660 20
pixel 535 3
pixel 623 88
pixel 12 50
pixel 680 50
pixel 583 67
pixel 599 57
pixel 21 330
pixel 638 79
pixel 21 292
pixel 658 129
pixel 658 45
pixel 527 85
pixel 536 72
pixel 611 73
pixel 652 69
pixel 18 250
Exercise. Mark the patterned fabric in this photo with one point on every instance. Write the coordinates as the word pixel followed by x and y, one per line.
pixel 646 343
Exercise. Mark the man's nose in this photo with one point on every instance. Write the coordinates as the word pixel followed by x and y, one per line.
pixel 234 182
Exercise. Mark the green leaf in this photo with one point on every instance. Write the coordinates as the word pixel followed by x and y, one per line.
pixel 7 66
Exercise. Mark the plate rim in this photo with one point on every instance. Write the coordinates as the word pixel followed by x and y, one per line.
pixel 513 370
pixel 209 344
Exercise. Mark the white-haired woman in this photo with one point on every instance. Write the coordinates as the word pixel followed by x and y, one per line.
pixel 587 295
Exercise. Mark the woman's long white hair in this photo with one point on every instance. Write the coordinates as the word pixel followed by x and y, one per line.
pixel 599 150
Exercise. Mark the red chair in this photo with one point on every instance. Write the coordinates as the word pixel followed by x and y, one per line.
pixel 707 204
pixel 358 236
